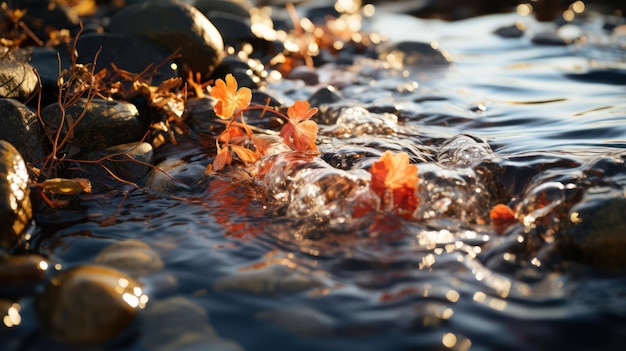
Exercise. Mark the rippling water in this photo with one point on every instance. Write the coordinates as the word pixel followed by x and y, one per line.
pixel 288 268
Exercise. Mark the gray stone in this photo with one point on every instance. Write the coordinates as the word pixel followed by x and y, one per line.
pixel 22 129
pixel 15 206
pixel 171 25
pixel 96 125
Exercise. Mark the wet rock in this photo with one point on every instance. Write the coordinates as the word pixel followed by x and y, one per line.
pixel 98 124
pixel 549 39
pixel 127 161
pixel 181 176
pixel 305 322
pixel 200 114
pixel 127 52
pixel 415 53
pixel 171 24
pixel 595 230
pixel 88 305
pixel 180 324
pixel 464 150
pixel 324 96
pixel 20 275
pixel 513 31
pixel 22 129
pixel 17 80
pixel 306 74
pixel 270 280
pixel 132 257
pixel 239 8
pixel 15 206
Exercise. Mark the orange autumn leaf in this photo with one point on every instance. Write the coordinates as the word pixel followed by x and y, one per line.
pixel 222 158
pixel 300 133
pixel 246 155
pixel 229 98
pixel 231 134
pixel 394 174
pixel 501 217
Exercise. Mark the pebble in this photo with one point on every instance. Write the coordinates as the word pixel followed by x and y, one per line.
pixel 88 305
pixel 15 206
pixel 99 124
pixel 170 25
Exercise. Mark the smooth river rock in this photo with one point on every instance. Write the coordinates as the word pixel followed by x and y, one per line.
pixel 97 125
pixel 170 25
pixel 20 275
pixel 131 256
pixel 21 127
pixel 89 305
pixel 15 206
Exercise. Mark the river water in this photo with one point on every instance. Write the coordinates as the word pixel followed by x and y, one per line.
pixel 277 261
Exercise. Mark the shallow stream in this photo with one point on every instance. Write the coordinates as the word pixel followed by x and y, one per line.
pixel 277 261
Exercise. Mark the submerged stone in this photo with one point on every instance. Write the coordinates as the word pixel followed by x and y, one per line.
pixel 132 257
pixel 15 206
pixel 179 176
pixel 127 161
pixel 177 324
pixel 271 280
pixel 302 321
pixel 170 25
pixel 97 124
pixel 88 305
pixel 464 150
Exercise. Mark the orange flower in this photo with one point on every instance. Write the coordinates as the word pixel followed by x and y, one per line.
pixel 394 174
pixel 229 99
pixel 300 133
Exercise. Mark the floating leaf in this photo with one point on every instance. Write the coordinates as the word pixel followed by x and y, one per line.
pixel 64 186
pixel 246 155
pixel 222 158
pixel 300 133
pixel 394 174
